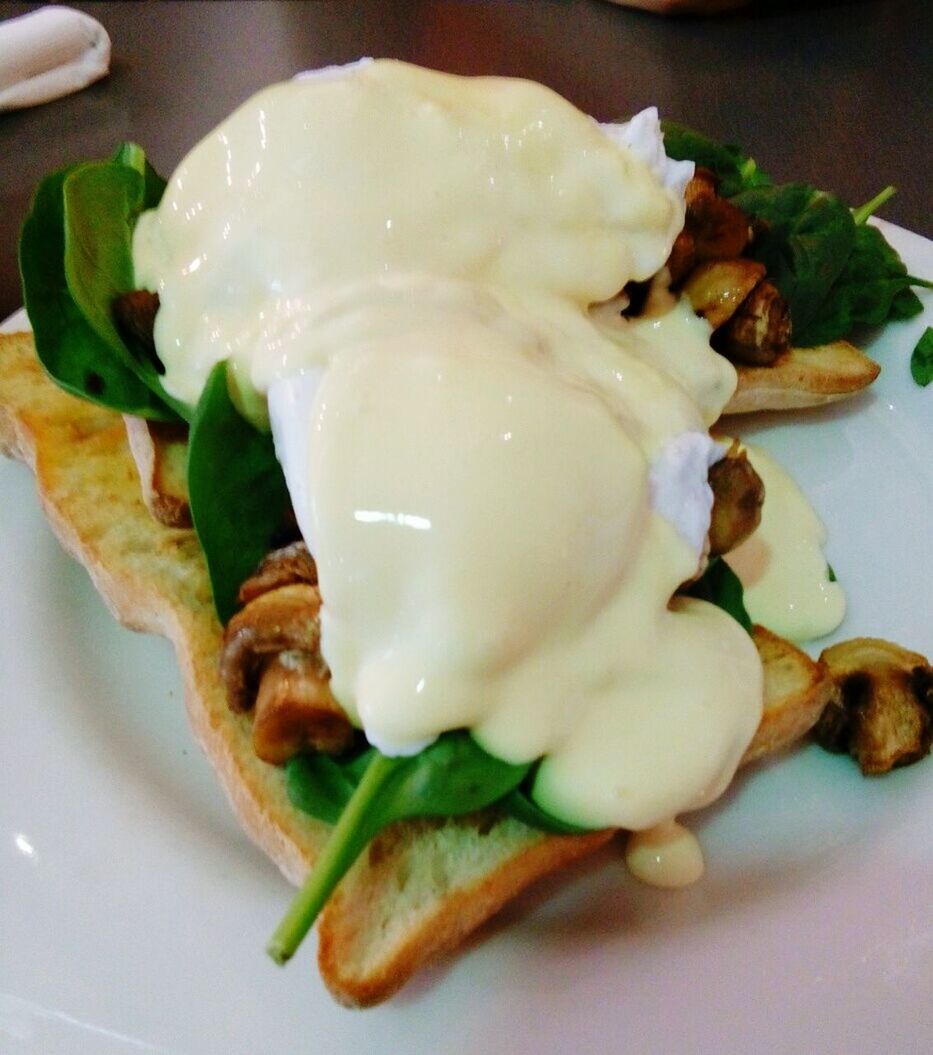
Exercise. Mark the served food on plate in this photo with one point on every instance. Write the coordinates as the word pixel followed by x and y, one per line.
pixel 409 350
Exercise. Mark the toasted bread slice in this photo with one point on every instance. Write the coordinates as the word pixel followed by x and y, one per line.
pixel 152 577
pixel 796 691
pixel 420 890
pixel 421 887
pixel 803 377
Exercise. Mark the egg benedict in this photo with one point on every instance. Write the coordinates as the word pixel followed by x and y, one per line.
pixel 416 288
pixel 401 266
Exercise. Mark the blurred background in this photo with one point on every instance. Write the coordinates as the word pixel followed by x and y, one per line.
pixel 838 94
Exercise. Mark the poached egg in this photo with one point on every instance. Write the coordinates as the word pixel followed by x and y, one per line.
pixel 502 484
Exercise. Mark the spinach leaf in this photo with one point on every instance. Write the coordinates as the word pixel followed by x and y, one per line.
pixel 102 201
pixel 835 273
pixel 523 808
pixel 449 778
pixel 721 586
pixel 804 243
pixel 355 766
pixel 69 349
pixel 872 287
pixel 319 785
pixel 921 362
pixel 735 171
pixel 131 155
pixel 236 491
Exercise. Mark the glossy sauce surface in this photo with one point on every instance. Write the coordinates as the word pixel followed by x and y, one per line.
pixel 404 263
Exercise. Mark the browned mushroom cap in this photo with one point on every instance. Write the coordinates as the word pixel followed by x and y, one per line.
pixel 283 567
pixel 295 710
pixel 759 331
pixel 720 230
pixel 881 710
pixel 683 258
pixel 738 494
pixel 718 288
pixel 134 315
pixel 714 229
pixel 703 185
pixel 283 620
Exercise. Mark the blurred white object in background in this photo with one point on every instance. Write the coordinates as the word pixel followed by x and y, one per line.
pixel 50 53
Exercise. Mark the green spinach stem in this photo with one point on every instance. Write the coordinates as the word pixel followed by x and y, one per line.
pixel 346 842
pixel 861 214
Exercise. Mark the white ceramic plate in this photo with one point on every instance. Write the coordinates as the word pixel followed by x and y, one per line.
pixel 133 912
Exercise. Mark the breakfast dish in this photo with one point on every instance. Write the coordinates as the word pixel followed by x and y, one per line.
pixel 519 305
pixel 791 854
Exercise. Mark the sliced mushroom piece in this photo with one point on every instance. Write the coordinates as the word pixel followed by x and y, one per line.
pixel 720 230
pixel 703 185
pixel 134 314
pixel 295 710
pixel 718 288
pixel 683 258
pixel 738 495
pixel 881 710
pixel 283 567
pixel 160 450
pixel 283 620
pixel 759 331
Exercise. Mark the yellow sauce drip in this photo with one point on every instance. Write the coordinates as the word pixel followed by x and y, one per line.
pixel 667 855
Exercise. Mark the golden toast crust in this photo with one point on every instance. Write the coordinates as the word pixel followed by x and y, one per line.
pixel 803 377
pixel 153 579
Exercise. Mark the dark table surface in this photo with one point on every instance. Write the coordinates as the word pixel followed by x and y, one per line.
pixel 835 93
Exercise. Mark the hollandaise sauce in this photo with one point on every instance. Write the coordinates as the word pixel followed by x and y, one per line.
pixel 784 573
pixel 667 855
pixel 403 271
